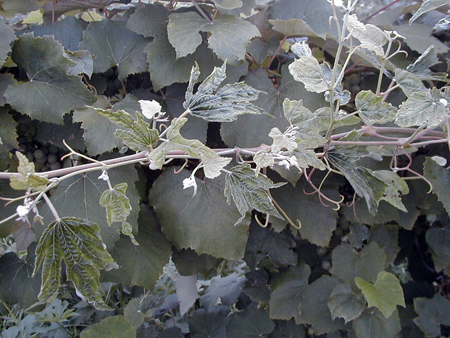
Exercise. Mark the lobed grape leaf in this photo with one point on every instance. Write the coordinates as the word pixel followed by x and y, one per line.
pixel 348 263
pixel 432 313
pixel 372 324
pixel 313 75
pixel 370 36
pixel 438 239
pixel 422 108
pixel 50 93
pixel 372 109
pixel 212 323
pixel 313 306
pixel 229 37
pixel 27 179
pixel 79 244
pixel 117 203
pixel 386 236
pixel 396 186
pixel 141 265
pixel 419 37
pixel 188 262
pixel 203 222
pixel 250 323
pixel 132 313
pixel 112 327
pixel 6 37
pixel 114 45
pixel 5 81
pixel 439 178
pixel 385 294
pixel 10 8
pixel 421 67
pixel 216 104
pixel 345 303
pixel 409 82
pixel 287 292
pixel 427 6
pixel 249 191
pixel 227 289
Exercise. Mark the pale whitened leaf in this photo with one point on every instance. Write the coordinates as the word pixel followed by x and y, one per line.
pixel 409 82
pixel 427 6
pixel 27 178
pixel 263 159
pixel 116 202
pixel 307 157
pixel 372 109
pixel 223 104
pixel 308 71
pixel 150 108
pixel 229 35
pixel 396 186
pixel 422 108
pixel 213 165
pixel 78 242
pixel 249 191
pixel 301 49
pixel 421 67
pixel 370 36
pixel 282 141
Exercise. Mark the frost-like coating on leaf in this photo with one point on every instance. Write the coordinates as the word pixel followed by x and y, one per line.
pixel 27 178
pixel 421 67
pixel 308 71
pixel 229 35
pixel 372 109
pixel 50 92
pixel 409 82
pixel 396 186
pixel 78 243
pixel 385 294
pixel 370 36
pixel 249 191
pixel 216 104
pixel 422 108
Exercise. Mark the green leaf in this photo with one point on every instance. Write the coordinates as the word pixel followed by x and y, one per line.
pixel 50 93
pixel 344 303
pixel 385 294
pixel 10 8
pixel 227 289
pixel 372 109
pixel 79 196
pixel 79 244
pixel 229 35
pixel 249 191
pixel 133 314
pixel 317 221
pixel 386 236
pixel 370 36
pixel 213 323
pixel 418 37
pixel 5 81
pixel 27 179
pixel 189 263
pixel 348 263
pixel 421 67
pixel 438 239
pixel 141 265
pixel 116 202
pixel 427 6
pixel 308 71
pixel 432 314
pixel 372 324
pixel 440 178
pixel 422 108
pixel 395 187
pixel 287 292
pixel 292 27
pixel 6 37
pixel 211 162
pixel 203 222
pixel 216 104
pixel 409 82
pixel 16 284
pixel 250 323
pixel 284 329
pixel 187 292
pixel 313 306
pixel 138 135
pixel 112 327
pixel 115 45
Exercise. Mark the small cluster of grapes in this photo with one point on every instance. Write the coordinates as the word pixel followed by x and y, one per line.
pixel 44 156
pixel 113 84
pixel 352 83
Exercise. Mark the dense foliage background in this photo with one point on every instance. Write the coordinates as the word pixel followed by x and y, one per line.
pixel 322 211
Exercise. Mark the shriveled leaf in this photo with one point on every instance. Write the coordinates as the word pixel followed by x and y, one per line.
pixel 250 323
pixel 372 109
pixel 26 177
pixel 432 313
pixel 440 178
pixel 115 45
pixel 370 36
pixel 50 93
pixel 313 306
pixel 227 289
pixel 6 37
pixel 216 104
pixel 16 283
pixel 212 163
pixel 229 35
pixel 212 323
pixel 438 239
pixel 372 324
pixel 385 294
pixel 113 327
pixel 249 191
pixel 116 202
pixel 344 303
pixel 141 265
pixel 427 6
pixel 79 244
pixel 203 222
pixel 287 292
pixel 348 263
pixel 422 108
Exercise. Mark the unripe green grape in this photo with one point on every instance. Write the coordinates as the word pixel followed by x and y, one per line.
pixel 53 149
pixel 354 79
pixel 55 166
pixel 52 158
pixel 311 331
pixel 321 251
pixel 118 84
pixel 326 265
pixel 38 154
pixel 44 149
